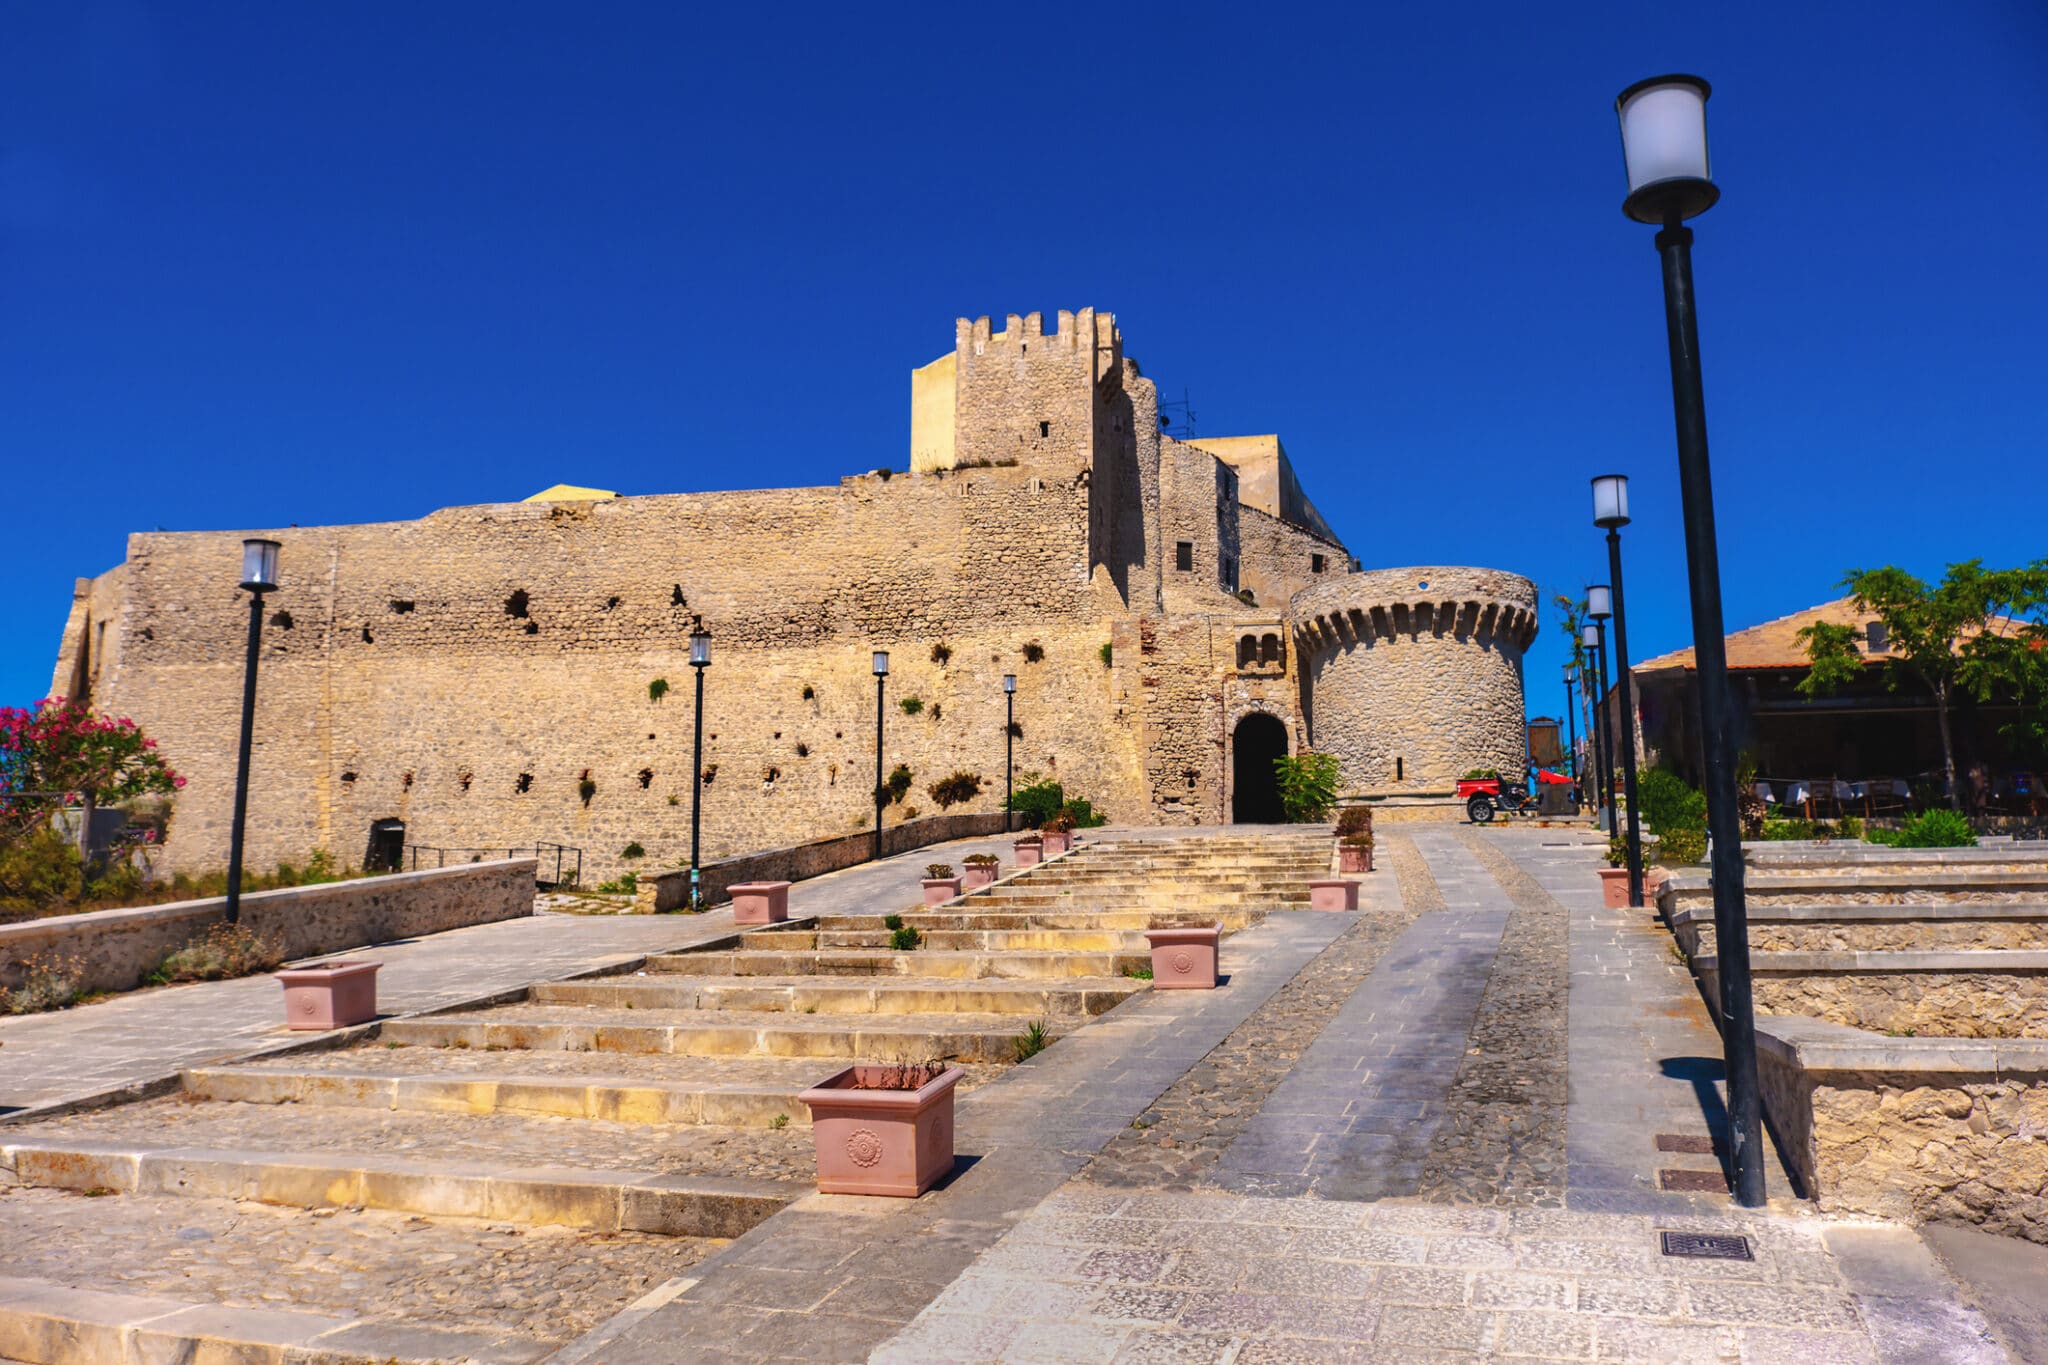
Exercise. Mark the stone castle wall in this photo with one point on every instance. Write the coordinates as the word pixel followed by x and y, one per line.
pixel 1415 675
pixel 467 672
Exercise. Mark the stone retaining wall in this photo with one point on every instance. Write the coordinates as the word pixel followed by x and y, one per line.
pixel 1927 1129
pixel 664 891
pixel 111 950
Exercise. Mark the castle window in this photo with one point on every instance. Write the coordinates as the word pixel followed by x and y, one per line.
pixel 1269 649
pixel 1247 651
pixel 1044 429
pixel 1184 555
pixel 1315 563
pixel 1398 767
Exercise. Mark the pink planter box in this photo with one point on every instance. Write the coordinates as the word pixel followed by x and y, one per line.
pixel 759 902
pixel 1056 844
pixel 1614 887
pixel 330 996
pixel 1333 893
pixel 1354 858
pixel 887 1142
pixel 1028 854
pixel 1184 959
pixel 938 890
pixel 978 875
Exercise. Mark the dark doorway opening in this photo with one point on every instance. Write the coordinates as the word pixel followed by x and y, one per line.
pixel 1254 786
pixel 387 846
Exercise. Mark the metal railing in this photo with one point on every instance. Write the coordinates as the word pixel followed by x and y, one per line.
pixel 563 861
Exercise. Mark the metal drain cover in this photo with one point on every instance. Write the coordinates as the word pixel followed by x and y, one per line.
pixel 1709 1245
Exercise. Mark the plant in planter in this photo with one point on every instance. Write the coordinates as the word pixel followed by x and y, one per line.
pixel 981 870
pixel 1354 839
pixel 1029 849
pixel 939 883
pixel 1614 876
pixel 884 1130
pixel 1057 833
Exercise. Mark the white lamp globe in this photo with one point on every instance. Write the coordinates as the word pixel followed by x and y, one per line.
pixel 1664 142
pixel 881 663
pixel 1610 500
pixel 259 565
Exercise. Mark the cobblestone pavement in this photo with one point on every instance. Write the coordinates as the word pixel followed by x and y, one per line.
pixel 145 1036
pixel 549 1283
pixel 1503 1134
pixel 1096 1275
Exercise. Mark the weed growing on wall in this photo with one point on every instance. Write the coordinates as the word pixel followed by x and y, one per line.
pixel 222 952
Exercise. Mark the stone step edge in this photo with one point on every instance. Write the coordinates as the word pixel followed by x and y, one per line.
pixel 43 1322
pixel 1932 912
pixel 687 1205
pixel 617 1099
pixel 993 1044
pixel 1003 996
pixel 1995 961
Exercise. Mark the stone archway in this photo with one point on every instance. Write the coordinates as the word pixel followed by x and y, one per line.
pixel 1254 786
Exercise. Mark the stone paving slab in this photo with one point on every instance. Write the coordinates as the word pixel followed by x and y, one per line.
pixel 143 1037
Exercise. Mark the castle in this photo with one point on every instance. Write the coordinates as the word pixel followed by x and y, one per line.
pixel 1176 612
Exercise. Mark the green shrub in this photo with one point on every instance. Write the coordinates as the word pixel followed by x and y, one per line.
pixel 951 791
pixel 892 921
pixel 657 689
pixel 911 705
pixel 938 872
pixel 50 983
pixel 1617 851
pixel 633 850
pixel 904 940
pixel 1681 845
pixel 1482 775
pixel 1667 803
pixel 224 951
pixel 1038 800
pixel 1107 652
pixel 1851 827
pixel 898 785
pixel 627 885
pixel 1081 814
pixel 1779 830
pixel 1308 784
pixel 1138 973
pixel 1937 828
pixel 1033 1040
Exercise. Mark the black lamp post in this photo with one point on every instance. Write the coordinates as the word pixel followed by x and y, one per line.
pixel 1571 722
pixel 700 659
pixel 1610 511
pixel 881 680
pixel 259 576
pixel 1664 143
pixel 1592 637
pixel 1009 747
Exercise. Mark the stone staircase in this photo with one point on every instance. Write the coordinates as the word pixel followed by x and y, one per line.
pixel 635 1119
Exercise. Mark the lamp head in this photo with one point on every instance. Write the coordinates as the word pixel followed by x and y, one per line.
pixel 1589 636
pixel 1664 143
pixel 259 564
pixel 881 663
pixel 1610 500
pixel 700 647
pixel 1599 602
pixel 1009 682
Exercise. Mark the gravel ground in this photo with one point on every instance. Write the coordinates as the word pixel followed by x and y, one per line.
pixel 552 1284
pixel 1502 1140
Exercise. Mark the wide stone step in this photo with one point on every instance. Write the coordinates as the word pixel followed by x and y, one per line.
pixel 682 1204
pixel 828 995
pixel 962 966
pixel 619 1099
pixel 46 1323
pixel 1875 928
pixel 994 940
pixel 1866 887
pixel 966 919
pixel 1984 994
pixel 727 1033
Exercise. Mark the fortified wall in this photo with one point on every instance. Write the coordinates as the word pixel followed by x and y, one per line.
pixel 497 675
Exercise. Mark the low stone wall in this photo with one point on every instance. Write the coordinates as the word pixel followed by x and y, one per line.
pixel 1942 995
pixel 1942 1130
pixel 112 949
pixel 665 891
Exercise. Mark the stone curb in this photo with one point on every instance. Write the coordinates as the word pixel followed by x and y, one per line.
pixel 1997 961
pixel 1822 1046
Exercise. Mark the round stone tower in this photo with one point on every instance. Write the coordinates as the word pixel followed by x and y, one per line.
pixel 1412 677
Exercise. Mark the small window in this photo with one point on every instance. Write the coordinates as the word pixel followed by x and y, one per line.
pixel 1184 555
pixel 1878 635
pixel 1399 776
pixel 1230 573
pixel 1315 563
pixel 1247 652
pixel 1044 429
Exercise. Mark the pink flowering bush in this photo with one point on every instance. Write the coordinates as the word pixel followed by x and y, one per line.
pixel 60 753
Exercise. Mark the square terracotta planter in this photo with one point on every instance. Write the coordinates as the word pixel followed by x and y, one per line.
pixel 330 996
pixel 1354 857
pixel 1333 893
pixel 886 1142
pixel 1028 854
pixel 938 890
pixel 1614 887
pixel 1056 843
pixel 759 902
pixel 1184 958
pixel 976 875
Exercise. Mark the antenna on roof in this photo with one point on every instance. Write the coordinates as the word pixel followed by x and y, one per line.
pixel 1183 410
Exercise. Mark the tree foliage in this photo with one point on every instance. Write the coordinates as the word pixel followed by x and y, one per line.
pixel 1308 785
pixel 61 753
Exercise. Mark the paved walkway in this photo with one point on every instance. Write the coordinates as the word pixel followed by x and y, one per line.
pixel 142 1037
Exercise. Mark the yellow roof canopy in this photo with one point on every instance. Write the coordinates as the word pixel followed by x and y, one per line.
pixel 569 492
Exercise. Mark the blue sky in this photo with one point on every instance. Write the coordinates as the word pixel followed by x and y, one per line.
pixel 264 264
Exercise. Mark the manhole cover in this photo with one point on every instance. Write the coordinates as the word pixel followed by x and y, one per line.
pixel 1712 1182
pixel 1685 1142
pixel 1709 1245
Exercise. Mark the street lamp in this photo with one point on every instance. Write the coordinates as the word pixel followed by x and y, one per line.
pixel 259 576
pixel 1591 636
pixel 1610 512
pixel 1664 144
pixel 881 680
pixel 700 659
pixel 1571 722
pixel 1009 746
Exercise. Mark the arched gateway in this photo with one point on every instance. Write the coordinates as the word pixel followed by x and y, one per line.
pixel 1254 785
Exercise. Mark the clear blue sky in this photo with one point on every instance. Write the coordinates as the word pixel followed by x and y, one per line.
pixel 264 264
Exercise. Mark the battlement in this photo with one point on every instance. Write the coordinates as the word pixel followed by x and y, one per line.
pixel 1074 331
